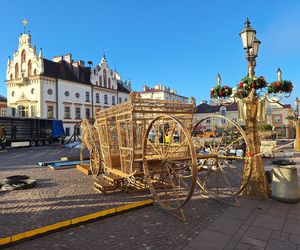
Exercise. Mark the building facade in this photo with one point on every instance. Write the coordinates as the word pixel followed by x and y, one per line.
pixel 205 109
pixel 276 115
pixel 3 105
pixel 60 88
pixel 160 92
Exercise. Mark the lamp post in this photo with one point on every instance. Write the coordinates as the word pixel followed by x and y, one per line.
pixel 297 140
pixel 250 95
pixel 251 45
pixel 258 185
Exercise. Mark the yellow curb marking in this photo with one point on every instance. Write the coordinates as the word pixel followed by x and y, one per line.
pixel 73 221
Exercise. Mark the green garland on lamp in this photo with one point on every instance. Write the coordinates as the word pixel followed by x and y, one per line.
pixel 280 87
pixel 247 84
pixel 220 92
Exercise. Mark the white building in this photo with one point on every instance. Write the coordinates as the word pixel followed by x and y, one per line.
pixel 160 92
pixel 204 109
pixel 62 88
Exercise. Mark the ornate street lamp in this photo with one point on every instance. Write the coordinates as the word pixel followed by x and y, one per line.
pixel 247 35
pixel 251 94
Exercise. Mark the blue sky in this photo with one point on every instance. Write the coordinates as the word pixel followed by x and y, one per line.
pixel 181 44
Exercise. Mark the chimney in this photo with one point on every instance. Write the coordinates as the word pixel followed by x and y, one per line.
pixel 68 58
pixel 81 63
pixel 57 58
pixel 76 69
pixel 145 87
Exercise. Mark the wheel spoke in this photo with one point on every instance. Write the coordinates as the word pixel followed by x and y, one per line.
pixel 178 176
pixel 173 152
pixel 233 170
pixel 226 179
pixel 223 133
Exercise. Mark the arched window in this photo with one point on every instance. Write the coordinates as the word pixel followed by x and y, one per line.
pixel 104 78
pixel 109 83
pixel 16 71
pixel 100 80
pixel 29 68
pixel 11 76
pixel 34 72
pixel 223 110
pixel 23 56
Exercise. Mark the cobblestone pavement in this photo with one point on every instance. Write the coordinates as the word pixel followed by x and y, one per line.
pixel 257 224
pixel 210 224
pixel 64 194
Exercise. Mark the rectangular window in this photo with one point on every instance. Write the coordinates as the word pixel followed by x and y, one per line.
pixel 208 120
pixel 105 99
pixel 120 99
pixel 13 111
pixel 87 96
pixel 67 112
pixel 223 121
pixel 113 100
pixel 33 111
pixel 125 99
pixel 77 113
pixel 67 131
pixel 50 112
pixel 97 98
pixel 87 113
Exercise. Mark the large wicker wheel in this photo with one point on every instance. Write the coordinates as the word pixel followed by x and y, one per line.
pixel 221 148
pixel 95 162
pixel 169 162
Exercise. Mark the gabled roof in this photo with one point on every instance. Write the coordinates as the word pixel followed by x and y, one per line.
pixel 3 98
pixel 122 88
pixel 62 70
pixel 206 108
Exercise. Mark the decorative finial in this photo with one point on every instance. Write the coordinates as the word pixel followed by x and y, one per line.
pixel 247 23
pixel 104 51
pixel 219 79
pixel 279 75
pixel 24 22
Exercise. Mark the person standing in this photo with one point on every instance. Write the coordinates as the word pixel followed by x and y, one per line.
pixel 14 132
pixel 2 138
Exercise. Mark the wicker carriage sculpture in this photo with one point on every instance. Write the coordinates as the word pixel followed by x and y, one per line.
pixel 147 143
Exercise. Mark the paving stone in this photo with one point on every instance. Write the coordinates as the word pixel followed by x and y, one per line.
pixel 258 233
pixel 242 246
pixel 230 245
pixel 278 211
pixel 269 221
pixel 238 213
pixel 295 238
pixel 295 211
pixel 225 225
pixel 277 244
pixel 254 242
pixel 292 228
pixel 210 240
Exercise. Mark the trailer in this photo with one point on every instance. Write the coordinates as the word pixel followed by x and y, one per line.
pixel 22 132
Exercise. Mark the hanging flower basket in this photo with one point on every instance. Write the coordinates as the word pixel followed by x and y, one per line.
pixel 220 92
pixel 247 84
pixel 280 87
